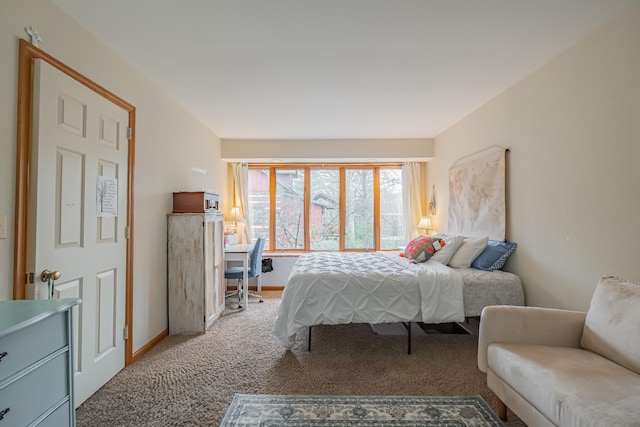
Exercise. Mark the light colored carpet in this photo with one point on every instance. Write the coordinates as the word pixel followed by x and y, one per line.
pixel 191 380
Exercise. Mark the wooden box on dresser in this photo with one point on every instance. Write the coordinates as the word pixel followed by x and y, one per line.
pixel 195 271
pixel 36 363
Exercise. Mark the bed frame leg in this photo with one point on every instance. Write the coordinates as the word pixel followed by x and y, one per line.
pixel 309 343
pixel 408 326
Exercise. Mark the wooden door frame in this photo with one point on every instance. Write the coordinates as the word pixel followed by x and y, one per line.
pixel 29 53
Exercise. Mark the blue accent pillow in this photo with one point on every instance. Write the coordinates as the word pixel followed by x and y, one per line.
pixel 494 256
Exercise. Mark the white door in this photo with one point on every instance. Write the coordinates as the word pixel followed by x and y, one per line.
pixel 79 136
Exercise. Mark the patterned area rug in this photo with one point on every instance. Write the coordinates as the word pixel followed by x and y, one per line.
pixel 362 411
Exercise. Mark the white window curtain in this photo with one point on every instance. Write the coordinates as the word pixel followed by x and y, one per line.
pixel 241 186
pixel 411 198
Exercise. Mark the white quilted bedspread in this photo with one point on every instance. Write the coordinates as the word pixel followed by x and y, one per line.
pixel 366 287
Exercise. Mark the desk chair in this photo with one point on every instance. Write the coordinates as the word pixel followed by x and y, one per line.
pixel 255 268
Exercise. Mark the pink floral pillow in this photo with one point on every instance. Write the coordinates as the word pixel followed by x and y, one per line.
pixel 422 248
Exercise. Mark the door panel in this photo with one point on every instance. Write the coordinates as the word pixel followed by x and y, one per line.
pixel 71 115
pixel 107 312
pixel 109 132
pixel 69 198
pixel 79 136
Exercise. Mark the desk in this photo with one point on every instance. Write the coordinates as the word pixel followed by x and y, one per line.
pixel 242 253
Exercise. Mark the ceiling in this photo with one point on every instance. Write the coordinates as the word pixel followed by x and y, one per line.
pixel 325 69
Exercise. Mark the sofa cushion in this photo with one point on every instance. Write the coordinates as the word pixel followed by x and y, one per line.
pixel 572 387
pixel 613 322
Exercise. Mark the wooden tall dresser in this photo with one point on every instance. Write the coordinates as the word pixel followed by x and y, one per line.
pixel 36 363
pixel 195 271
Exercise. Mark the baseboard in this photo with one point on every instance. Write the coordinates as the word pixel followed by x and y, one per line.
pixel 148 346
pixel 268 288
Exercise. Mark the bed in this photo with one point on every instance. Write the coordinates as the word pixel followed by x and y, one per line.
pixel 330 288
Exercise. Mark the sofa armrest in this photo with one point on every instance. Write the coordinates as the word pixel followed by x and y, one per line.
pixel 528 325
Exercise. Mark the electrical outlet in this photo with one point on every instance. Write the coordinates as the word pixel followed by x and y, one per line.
pixel 3 226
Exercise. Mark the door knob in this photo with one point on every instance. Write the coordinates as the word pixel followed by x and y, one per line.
pixel 47 275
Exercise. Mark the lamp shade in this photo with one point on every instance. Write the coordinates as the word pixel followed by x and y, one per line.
pixel 235 215
pixel 425 223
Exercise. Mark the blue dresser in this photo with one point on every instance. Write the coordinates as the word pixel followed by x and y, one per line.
pixel 36 363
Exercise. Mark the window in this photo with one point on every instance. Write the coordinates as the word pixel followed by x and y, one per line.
pixel 391 216
pixel 290 204
pixel 324 210
pixel 259 203
pixel 359 213
pixel 320 208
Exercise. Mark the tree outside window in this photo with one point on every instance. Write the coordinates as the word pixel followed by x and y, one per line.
pixel 259 203
pixel 359 225
pixel 392 225
pixel 290 221
pixel 324 212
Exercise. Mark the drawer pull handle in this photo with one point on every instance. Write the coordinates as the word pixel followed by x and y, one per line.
pixel 3 413
pixel 2 356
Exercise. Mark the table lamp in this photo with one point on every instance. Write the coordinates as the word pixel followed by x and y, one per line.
pixel 425 224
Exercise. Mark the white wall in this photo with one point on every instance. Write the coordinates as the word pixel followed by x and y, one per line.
pixel 329 150
pixel 282 266
pixel 573 182
pixel 169 142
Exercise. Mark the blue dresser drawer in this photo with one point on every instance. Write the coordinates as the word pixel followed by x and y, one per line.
pixel 58 418
pixel 32 343
pixel 36 390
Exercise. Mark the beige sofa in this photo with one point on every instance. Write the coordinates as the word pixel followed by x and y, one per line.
pixel 567 368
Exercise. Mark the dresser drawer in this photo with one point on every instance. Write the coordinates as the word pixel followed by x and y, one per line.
pixel 31 395
pixel 59 417
pixel 32 343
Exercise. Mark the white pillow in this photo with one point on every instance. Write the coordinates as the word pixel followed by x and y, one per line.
pixel 451 245
pixel 468 251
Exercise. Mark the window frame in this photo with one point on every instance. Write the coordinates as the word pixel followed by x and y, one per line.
pixel 342 168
